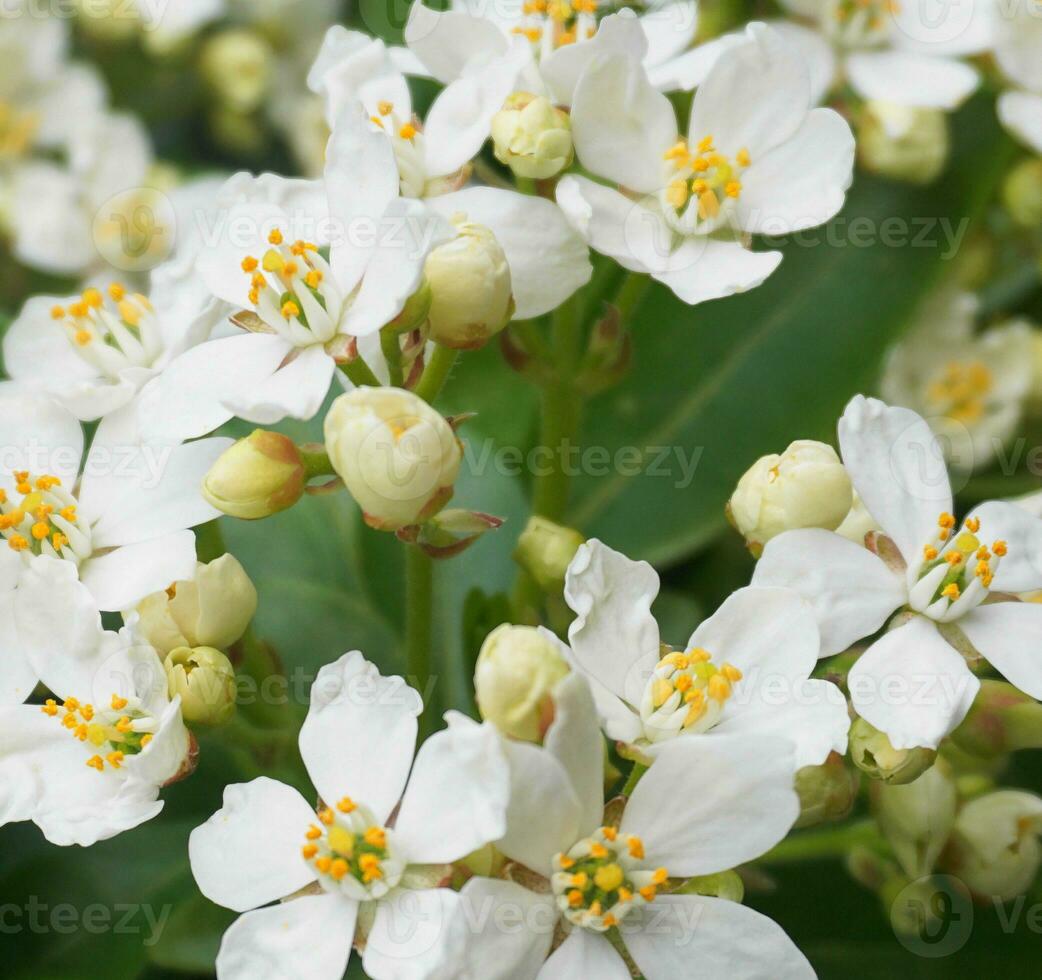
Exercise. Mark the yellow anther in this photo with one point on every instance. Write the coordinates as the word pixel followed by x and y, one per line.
pixel 290 309
pixel 115 759
pixel 81 732
pixel 50 707
pixel 370 865
pixel 376 837
pixel 313 278
pixel 290 269
pixel 700 164
pixel 92 297
pixel 258 281
pixel 598 850
pixel 705 145
pixel 708 206
pixel 733 188
pixel 625 894
pixel 953 558
pixel 565 861
pixel 1000 548
pixel 610 921
pixel 145 739
pixel 661 692
pixel 118 703
pixel 973 524
pixel 275 238
pixel 952 592
pixel 575 899
pixel 407 132
pixel 83 337
pixel 580 881
pixel 124 725
pixel 929 552
pixel 17 543
pixel 636 847
pixel 719 687
pixel 338 869
pixel 87 712
pixel 254 296
pixel 609 833
pixel 648 893
pixel 683 683
pixel 57 312
pixel 117 291
pixel 947 521
pixel 323 864
pixel 346 805
pixel 79 309
pixel 313 833
pixel 96 762
pixel 983 554
pixel 532 33
pixel 58 541
pixel 326 816
pixel 678 151
pixel 309 851
pixel 609 877
pixel 40 531
pixel 385 108
pixel 250 264
pixel 596 908
pixel 677 194
pixel 742 157
pixel 660 877
pixel 69 721
pixel 695 713
pixel 732 673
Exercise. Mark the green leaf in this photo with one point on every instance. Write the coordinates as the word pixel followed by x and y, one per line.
pixel 722 383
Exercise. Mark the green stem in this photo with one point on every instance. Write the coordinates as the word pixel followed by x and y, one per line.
pixel 818 845
pixel 360 374
pixel 392 351
pixel 419 604
pixel 630 294
pixel 316 461
pixel 636 773
pixel 436 373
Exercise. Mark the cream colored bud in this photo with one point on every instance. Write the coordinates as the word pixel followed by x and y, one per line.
pixel 204 679
pixel 917 818
pixel 995 849
pixel 858 523
pixel 903 142
pixel 237 65
pixel 872 752
pixel 1022 193
pixel 257 477
pixel 545 550
pixel 211 610
pixel 532 137
pixel 517 671
pixel 806 486
pixel 398 457
pixel 471 288
pixel 827 792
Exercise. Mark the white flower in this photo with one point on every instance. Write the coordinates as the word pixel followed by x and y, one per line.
pixel 1021 114
pixel 903 53
pixel 1017 42
pixel 971 388
pixel 757 159
pixel 704 807
pixel 746 669
pixel 912 683
pixel 355 865
pixel 93 353
pixel 317 264
pixel 89 765
pixel 118 516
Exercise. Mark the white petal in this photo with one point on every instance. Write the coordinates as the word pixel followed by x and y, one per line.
pixel 635 235
pixel 670 28
pixel 38 435
pixel 188 399
pixel 702 269
pixel 120 579
pixel 614 637
pixel 248 853
pixel 51 226
pixel 803 182
pixel 17 677
pixel 905 78
pixel 547 257
pixel 151 505
pixel 1016 48
pixel 939 27
pixel 851 591
pixel 815 51
pixel 545 816
pixel 812 714
pixel 37 351
pixel 1009 635
pixel 584 954
pixel 1021 569
pixel 456 800
pixel 447 42
pixel 689 70
pixel 308 938
pixel 412 938
pixel 1021 114
pixel 710 804
pixel 724 938
pixel 360 734
pixel 897 467
pixel 490 949
pixel 574 739
pixel 755 97
pixel 912 685
pixel 294 391
pixel 621 124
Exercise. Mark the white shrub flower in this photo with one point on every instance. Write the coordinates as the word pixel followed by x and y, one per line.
pixel 367 858
pixel 912 683
pixel 756 159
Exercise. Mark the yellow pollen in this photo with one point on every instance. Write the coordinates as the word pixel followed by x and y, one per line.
pixel 376 837
pixel 290 309
pixel 609 833
pixel 17 543
pixel 57 312
pixel 610 921
pixel 124 725
pixel 598 851
pixel 326 816
pixel 742 158
pixel 1000 548
pixel 661 876
pixel 973 524
pixel 596 908
pixel 953 558
pixel 41 531
pixel 115 759
pixel 581 881
pixel 370 865
pixel 719 687
pixel 733 188
pixel 929 552
pixel 313 278
pixel 58 541
pixel 275 238
pixel 50 707
pixel 385 108
pixel 254 296
pixel 117 292
pixel 87 711
pixel 79 310
pixel 684 682
pixel 309 851
pixel 636 847
pixel 346 805
pixel 323 864
pixel 93 298
pixel 96 762
pixel 83 337
pixel 130 312
pixel 648 893
pixel 338 869
pixel 947 521
pixel 407 132
pixel 532 33
pixel 575 899
pixel 145 739
pixel 705 145
pixel 118 703
pixel 250 264
pixel 566 862
pixel 951 592
pixel 625 894
pixel 661 692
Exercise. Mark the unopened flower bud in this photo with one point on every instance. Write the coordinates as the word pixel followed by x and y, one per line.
pixel 917 819
pixel 995 848
pixel 414 313
pixel 532 137
pixel 517 670
pixel 545 550
pixel 1001 720
pixel 858 523
pixel 237 65
pixel 806 486
pixel 211 610
pixel 1022 193
pixel 827 792
pixel 205 681
pixel 398 457
pixel 873 754
pixel 903 142
pixel 257 477
pixel 471 288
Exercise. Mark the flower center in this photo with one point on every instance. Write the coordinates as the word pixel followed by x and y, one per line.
pixel 351 853
pixel 122 729
pixel 603 878
pixel 551 24
pixel 17 131
pixel 45 519
pixel 956 572
pixel 686 692
pixel 407 142
pixel 961 392
pixel 111 337
pixel 859 23
pixel 292 289
pixel 702 185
